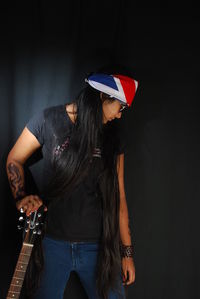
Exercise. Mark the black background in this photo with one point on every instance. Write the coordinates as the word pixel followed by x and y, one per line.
pixel 46 50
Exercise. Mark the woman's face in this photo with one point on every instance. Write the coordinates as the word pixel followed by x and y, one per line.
pixel 110 110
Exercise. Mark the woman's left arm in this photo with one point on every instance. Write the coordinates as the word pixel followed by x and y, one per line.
pixel 125 234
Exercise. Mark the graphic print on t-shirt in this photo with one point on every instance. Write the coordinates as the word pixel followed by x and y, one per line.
pixel 60 148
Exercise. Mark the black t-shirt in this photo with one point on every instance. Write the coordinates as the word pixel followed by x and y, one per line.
pixel 79 216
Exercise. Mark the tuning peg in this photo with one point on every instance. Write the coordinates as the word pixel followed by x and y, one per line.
pixel 27 220
pixel 34 232
pixel 26 230
pixel 39 215
pixel 21 210
pixel 21 218
pixel 39 232
pixel 19 227
pixel 37 223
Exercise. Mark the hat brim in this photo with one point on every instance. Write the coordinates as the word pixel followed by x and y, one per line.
pixel 106 89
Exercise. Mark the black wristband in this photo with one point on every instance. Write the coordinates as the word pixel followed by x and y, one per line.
pixel 126 250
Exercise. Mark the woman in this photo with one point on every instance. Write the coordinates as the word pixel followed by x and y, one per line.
pixel 87 220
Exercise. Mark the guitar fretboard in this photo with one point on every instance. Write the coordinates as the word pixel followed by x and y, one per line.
pixel 20 270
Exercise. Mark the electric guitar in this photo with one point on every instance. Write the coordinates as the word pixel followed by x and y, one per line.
pixel 31 228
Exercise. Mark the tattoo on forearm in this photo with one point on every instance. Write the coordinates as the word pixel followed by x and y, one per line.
pixel 15 180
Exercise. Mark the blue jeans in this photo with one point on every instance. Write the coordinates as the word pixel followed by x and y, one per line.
pixel 62 257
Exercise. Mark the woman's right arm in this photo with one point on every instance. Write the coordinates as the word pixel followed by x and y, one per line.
pixel 24 147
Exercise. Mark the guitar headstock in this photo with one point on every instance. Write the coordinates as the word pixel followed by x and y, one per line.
pixel 31 225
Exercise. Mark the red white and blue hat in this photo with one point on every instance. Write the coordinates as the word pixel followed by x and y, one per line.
pixel 117 86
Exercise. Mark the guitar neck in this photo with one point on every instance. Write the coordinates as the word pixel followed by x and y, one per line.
pixel 20 271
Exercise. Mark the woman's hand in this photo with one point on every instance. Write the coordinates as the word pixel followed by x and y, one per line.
pixel 128 266
pixel 30 204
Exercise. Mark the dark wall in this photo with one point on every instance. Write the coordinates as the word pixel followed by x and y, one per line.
pixel 46 51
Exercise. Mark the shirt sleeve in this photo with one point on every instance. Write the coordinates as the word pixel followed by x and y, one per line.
pixel 36 126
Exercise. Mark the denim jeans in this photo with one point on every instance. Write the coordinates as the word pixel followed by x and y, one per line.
pixel 62 257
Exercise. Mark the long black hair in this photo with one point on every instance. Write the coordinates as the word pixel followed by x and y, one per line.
pixel 73 165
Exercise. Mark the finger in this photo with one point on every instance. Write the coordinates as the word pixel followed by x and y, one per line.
pixel 32 202
pixel 38 200
pixel 29 209
pixel 124 277
pixel 133 278
pixel 130 280
pixel 35 203
pixel 21 203
pixel 35 206
pixel 31 205
pixel 24 207
pixel 127 277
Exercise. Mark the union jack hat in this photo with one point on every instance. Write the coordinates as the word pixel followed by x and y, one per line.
pixel 121 87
